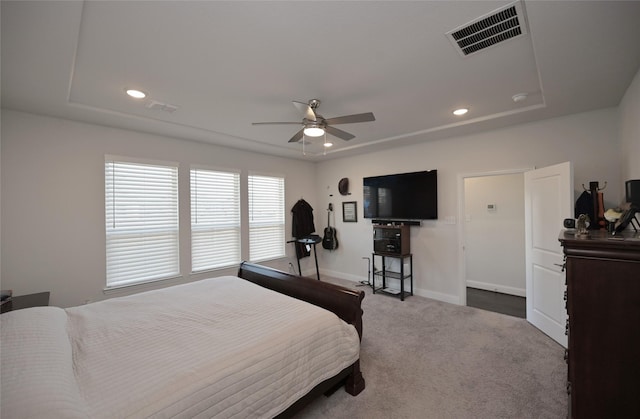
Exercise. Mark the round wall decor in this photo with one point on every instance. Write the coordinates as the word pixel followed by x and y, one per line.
pixel 343 186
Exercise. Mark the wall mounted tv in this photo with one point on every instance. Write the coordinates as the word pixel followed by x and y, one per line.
pixel 403 196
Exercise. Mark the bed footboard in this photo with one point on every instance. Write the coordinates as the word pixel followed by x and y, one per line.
pixel 344 302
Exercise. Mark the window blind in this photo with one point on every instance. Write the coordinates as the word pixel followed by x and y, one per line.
pixel 266 218
pixel 215 219
pixel 141 209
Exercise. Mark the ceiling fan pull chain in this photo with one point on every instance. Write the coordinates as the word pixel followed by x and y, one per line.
pixel 324 153
pixel 304 141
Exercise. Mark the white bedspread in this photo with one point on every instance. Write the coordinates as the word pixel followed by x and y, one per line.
pixel 222 347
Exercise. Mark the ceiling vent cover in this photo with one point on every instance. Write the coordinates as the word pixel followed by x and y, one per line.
pixel 498 26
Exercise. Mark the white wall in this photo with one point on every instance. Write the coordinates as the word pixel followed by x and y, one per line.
pixel 630 131
pixel 493 263
pixel 53 235
pixel 589 140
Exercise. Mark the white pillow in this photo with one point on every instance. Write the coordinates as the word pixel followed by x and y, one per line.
pixel 37 378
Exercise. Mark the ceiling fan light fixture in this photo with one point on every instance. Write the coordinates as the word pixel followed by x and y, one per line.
pixel 313 131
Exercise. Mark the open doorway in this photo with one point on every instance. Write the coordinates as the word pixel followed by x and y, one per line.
pixel 493 237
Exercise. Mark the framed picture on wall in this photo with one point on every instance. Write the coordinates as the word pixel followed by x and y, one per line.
pixel 350 212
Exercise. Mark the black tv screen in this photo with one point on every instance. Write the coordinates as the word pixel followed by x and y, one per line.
pixel 403 196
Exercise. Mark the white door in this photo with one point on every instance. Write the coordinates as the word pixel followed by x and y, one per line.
pixel 548 197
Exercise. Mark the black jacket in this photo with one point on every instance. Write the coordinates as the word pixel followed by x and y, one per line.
pixel 302 225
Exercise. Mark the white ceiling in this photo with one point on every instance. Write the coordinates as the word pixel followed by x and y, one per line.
pixel 226 64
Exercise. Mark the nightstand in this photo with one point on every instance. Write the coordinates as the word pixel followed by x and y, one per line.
pixel 25 301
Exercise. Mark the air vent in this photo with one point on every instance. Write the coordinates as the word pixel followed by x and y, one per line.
pixel 502 24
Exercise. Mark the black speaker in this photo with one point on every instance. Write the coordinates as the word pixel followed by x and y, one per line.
pixel 632 188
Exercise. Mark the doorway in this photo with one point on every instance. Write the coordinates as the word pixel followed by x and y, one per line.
pixel 492 233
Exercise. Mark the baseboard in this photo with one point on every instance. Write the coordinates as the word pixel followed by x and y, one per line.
pixel 447 298
pixel 520 292
pixel 347 277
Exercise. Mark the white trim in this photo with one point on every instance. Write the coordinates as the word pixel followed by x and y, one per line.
pixel 462 265
pixel 520 292
pixel 447 298
pixel 139 160
pixel 143 285
pixel 215 168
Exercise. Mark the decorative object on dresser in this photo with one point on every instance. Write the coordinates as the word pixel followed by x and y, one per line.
pixel 603 303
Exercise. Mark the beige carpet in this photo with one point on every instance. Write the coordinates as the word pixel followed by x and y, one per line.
pixel 422 358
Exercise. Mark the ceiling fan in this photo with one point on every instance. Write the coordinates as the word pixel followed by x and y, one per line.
pixel 314 125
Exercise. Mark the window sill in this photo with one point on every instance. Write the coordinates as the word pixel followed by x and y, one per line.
pixel 143 285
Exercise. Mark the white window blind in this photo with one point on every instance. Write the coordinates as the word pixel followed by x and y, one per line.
pixel 141 209
pixel 215 219
pixel 266 218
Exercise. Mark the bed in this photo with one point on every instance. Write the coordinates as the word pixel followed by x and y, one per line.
pixel 233 347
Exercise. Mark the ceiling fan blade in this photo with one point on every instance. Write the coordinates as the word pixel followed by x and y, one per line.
pixel 297 136
pixel 274 123
pixel 339 133
pixel 306 110
pixel 351 119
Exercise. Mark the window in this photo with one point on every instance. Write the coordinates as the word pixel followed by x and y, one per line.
pixel 215 219
pixel 266 218
pixel 141 206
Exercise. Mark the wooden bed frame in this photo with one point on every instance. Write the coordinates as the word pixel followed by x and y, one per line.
pixel 344 302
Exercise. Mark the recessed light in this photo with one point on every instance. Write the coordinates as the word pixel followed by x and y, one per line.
pixel 137 94
pixel 328 144
pixel 460 112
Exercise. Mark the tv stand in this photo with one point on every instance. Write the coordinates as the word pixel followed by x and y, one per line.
pixel 386 274
pixel 392 241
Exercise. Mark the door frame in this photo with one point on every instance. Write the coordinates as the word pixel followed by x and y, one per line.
pixel 462 260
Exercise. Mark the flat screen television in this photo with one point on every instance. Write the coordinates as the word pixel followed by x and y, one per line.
pixel 402 196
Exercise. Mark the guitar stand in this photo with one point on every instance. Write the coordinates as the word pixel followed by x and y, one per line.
pixel 368 281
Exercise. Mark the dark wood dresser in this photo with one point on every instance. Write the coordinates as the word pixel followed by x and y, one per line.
pixel 603 303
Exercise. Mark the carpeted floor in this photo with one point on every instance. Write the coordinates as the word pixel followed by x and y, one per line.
pixel 423 358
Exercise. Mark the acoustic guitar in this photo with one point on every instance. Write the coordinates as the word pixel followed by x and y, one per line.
pixel 329 240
